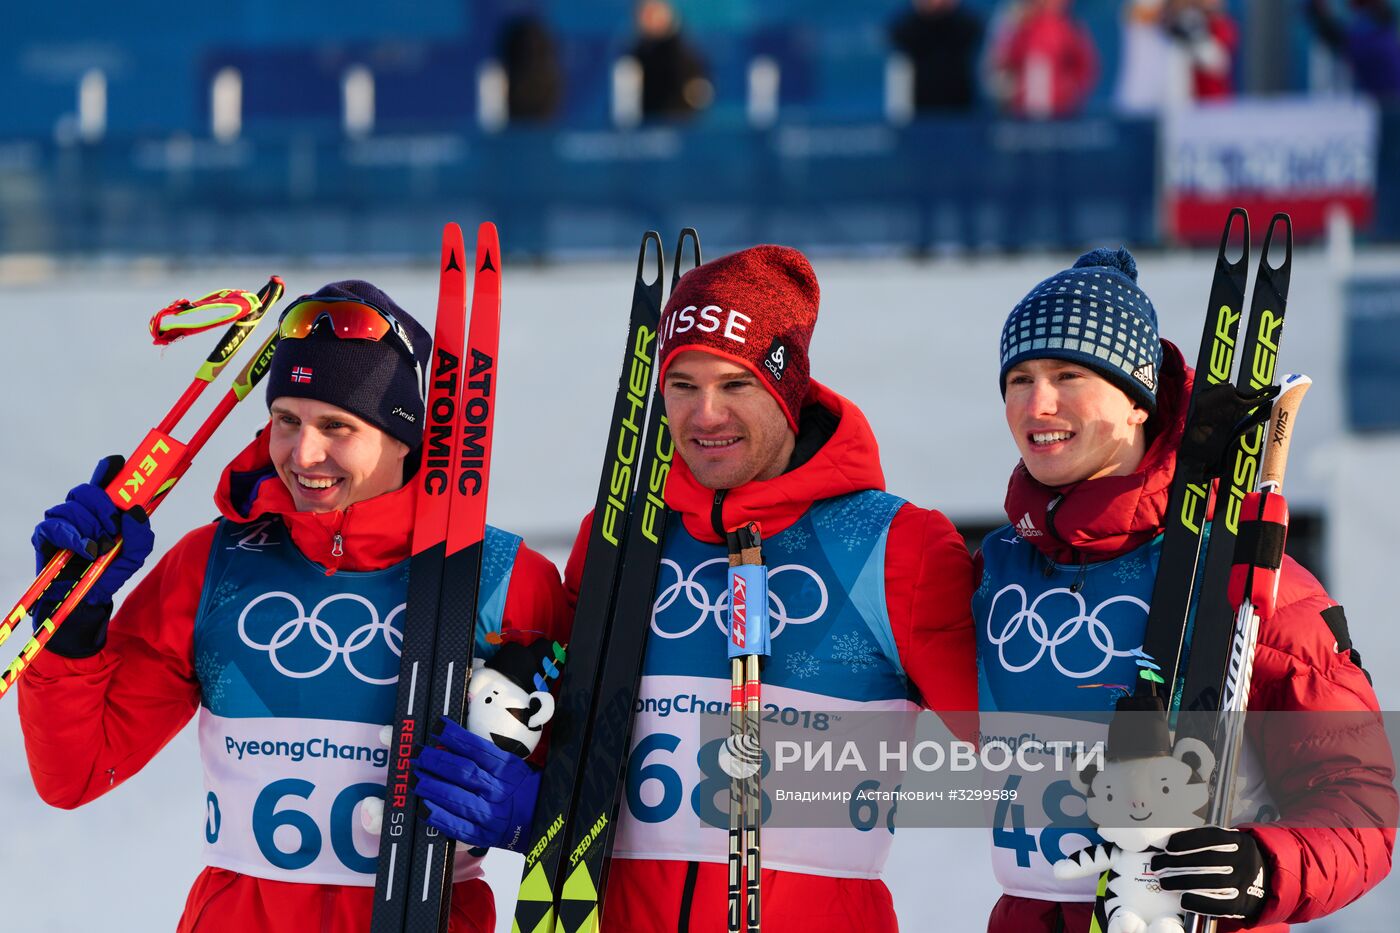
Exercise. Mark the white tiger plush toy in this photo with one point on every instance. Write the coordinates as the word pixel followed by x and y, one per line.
pixel 1143 795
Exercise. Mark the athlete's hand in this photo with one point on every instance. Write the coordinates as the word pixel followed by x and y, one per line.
pixel 1219 872
pixel 475 792
pixel 88 523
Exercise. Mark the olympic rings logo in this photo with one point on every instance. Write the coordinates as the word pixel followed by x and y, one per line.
pixel 699 598
pixel 325 637
pixel 1028 619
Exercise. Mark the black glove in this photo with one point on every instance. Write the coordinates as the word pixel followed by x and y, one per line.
pixel 1219 872
pixel 1221 414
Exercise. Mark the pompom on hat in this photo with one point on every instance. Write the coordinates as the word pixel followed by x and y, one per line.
pixel 757 308
pixel 1093 314
pixel 377 380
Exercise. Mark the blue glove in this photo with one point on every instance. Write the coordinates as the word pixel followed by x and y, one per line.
pixel 475 792
pixel 87 523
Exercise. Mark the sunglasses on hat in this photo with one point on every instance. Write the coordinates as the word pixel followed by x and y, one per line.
pixel 348 319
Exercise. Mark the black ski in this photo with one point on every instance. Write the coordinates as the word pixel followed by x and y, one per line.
pixel 430 897
pixel 435 481
pixel 1209 655
pixel 411 888
pixel 534 909
pixel 1185 520
pixel 592 821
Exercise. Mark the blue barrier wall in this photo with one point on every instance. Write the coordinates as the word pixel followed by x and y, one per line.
pixel 978 183
pixel 830 175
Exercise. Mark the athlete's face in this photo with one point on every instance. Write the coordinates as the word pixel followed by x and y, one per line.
pixel 1071 424
pixel 329 458
pixel 727 427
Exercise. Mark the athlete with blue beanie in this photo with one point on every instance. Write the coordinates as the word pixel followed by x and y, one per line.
pixel 1096 404
pixel 280 625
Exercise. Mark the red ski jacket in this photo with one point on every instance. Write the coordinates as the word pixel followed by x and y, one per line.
pixel 1298 666
pixel 91 723
pixel 928 588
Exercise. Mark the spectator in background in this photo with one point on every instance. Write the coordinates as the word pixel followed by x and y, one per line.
pixel 1210 39
pixel 941 40
pixel 1367 42
pixel 1148 74
pixel 1044 62
pixel 531 61
pixel 675 80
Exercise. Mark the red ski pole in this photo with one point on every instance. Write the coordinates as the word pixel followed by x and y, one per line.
pixel 153 469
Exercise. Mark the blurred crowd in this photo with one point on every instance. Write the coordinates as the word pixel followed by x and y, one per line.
pixel 1028 58
pixel 1035 58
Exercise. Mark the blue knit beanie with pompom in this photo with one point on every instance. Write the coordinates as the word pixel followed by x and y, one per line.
pixel 1093 314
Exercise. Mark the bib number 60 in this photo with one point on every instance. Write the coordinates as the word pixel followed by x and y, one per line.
pixel 268 819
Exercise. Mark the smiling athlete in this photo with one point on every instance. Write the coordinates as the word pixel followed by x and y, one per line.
pixel 1096 404
pixel 280 624
pixel 869 601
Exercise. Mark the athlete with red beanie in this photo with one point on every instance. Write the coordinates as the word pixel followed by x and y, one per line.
pixel 869 599
pixel 279 624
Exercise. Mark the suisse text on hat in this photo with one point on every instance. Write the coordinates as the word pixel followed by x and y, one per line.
pixel 684 320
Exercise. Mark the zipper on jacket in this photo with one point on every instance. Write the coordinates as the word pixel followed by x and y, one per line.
pixel 338 542
pixel 717 515
pixel 1050 511
pixel 692 871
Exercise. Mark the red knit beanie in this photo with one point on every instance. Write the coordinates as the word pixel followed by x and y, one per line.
pixel 756 307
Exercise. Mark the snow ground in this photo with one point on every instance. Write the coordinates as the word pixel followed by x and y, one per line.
pixel 913 343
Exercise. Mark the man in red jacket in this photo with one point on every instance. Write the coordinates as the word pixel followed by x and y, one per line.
pixel 1096 404
pixel 868 598
pixel 280 625
pixel 868 601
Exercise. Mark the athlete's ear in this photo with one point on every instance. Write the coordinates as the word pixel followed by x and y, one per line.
pixel 1138 416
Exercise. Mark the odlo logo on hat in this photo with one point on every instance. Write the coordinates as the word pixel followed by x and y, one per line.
pixel 775 360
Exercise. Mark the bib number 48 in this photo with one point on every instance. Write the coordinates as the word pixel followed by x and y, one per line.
pixel 1009 824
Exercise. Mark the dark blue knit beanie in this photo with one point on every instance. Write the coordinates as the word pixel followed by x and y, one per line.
pixel 376 380
pixel 1093 314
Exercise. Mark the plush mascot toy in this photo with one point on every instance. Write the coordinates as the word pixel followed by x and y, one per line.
pixel 509 695
pixel 1145 792
pixel 486 793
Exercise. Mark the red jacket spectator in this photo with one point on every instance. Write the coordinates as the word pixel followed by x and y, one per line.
pixel 1046 62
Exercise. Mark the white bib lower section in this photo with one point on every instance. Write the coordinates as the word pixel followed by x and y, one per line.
pixel 676 799
pixel 1047 820
pixel 284 799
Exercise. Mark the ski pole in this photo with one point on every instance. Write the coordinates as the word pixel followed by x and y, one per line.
pixel 163 476
pixel 748 642
pixel 246 310
pixel 1254 586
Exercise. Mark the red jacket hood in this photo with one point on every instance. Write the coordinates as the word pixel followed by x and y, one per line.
pixel 374 533
pixel 1102 518
pixel 848 462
